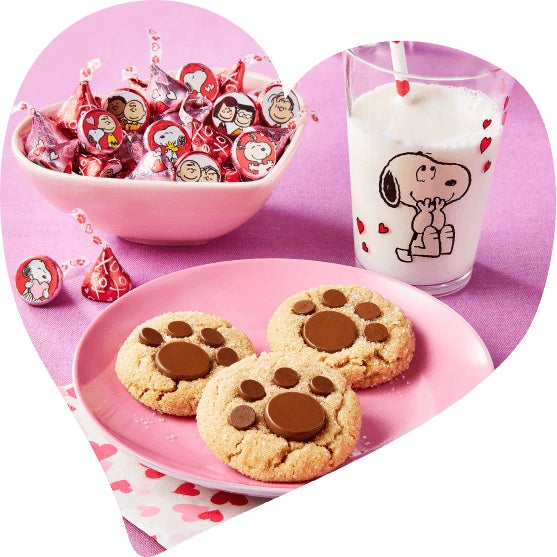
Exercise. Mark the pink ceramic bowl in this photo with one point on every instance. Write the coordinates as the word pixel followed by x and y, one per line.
pixel 153 211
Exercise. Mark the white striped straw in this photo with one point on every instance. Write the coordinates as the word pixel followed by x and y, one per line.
pixel 400 68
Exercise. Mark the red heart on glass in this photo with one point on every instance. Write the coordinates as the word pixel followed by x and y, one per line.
pixel 360 225
pixel 402 87
pixel 383 229
pixel 485 143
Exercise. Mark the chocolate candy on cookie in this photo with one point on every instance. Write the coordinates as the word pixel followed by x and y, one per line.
pixel 367 338
pixel 166 361
pixel 280 417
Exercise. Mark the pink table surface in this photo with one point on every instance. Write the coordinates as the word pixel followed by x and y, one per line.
pixel 307 217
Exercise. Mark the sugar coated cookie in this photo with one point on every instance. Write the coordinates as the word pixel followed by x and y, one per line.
pixel 350 328
pixel 280 418
pixel 166 361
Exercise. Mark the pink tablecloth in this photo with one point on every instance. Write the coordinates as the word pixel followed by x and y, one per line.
pixel 308 216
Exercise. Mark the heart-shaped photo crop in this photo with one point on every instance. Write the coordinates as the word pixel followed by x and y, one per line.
pixel 197 253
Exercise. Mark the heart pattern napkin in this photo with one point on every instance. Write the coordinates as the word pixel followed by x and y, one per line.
pixel 167 509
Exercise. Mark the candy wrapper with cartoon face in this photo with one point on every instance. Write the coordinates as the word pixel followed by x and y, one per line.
pixel 254 154
pixel 276 108
pixel 130 108
pixel 233 113
pixel 256 150
pixel 99 132
pixel 38 280
pixel 169 138
pixel 200 79
pixel 197 167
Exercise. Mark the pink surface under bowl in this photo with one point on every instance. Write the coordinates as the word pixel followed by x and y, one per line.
pixel 153 211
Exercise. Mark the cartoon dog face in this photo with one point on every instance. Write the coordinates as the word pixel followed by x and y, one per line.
pixel 195 79
pixel 412 177
pixel 36 269
pixel 95 135
pixel 256 151
pixel 171 134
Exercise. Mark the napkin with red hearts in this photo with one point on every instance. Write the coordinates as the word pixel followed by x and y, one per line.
pixel 167 509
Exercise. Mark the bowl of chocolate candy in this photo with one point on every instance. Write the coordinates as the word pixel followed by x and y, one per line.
pixel 178 159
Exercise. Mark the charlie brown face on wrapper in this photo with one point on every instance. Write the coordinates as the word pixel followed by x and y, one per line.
pixel 197 167
pixel 129 108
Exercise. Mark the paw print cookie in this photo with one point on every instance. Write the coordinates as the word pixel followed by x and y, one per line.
pixel 348 327
pixel 280 418
pixel 166 361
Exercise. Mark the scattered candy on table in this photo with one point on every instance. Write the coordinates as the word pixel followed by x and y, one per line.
pixel 38 280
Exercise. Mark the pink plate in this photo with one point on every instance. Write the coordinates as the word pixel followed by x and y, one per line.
pixel 450 360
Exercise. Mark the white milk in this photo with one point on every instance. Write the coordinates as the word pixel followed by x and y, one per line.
pixel 448 124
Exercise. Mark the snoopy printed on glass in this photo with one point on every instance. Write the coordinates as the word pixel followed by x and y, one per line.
pixel 428 186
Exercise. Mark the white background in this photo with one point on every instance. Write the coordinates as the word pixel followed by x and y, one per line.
pixel 479 479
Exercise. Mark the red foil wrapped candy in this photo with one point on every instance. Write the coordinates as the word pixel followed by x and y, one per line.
pixel 58 157
pixel 106 281
pixel 164 93
pixel 81 100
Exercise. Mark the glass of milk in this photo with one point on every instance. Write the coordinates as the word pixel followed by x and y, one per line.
pixel 422 150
